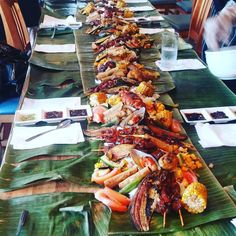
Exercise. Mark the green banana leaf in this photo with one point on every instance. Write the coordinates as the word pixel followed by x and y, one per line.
pixel 14 176
pixel 200 90
pixel 220 205
pixel 17 156
pixel 86 60
pixel 61 8
pixel 46 83
pixel 231 191
pixel 75 214
pixel 73 170
pixel 49 32
pixel 56 61
pixel 47 214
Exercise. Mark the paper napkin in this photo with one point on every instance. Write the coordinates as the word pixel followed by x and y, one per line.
pixel 183 64
pixel 48 48
pixel 141 8
pixel 216 135
pixel 50 22
pixel 70 135
pixel 148 18
pixel 30 103
pixel 154 30
pixel 135 1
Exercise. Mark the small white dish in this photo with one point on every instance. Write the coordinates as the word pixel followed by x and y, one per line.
pixel 194 116
pixel 209 114
pixel 224 114
pixel 27 116
pixel 80 112
pixel 55 114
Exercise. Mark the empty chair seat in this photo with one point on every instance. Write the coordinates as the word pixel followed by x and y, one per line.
pixel 164 6
pixel 179 22
pixel 185 6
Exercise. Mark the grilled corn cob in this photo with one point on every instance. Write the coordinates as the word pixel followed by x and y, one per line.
pixel 88 9
pixel 194 198
pixel 145 88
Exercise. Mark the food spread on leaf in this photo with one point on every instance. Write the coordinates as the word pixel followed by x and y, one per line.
pixel 144 148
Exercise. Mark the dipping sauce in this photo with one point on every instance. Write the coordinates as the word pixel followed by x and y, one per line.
pixel 78 112
pixel 194 116
pixel 218 115
pixel 53 114
pixel 27 117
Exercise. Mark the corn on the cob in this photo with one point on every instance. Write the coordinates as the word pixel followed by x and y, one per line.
pixel 128 13
pixel 145 88
pixel 194 198
pixel 88 9
pixel 114 99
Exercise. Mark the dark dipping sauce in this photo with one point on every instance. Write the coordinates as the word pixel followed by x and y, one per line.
pixel 78 112
pixel 53 114
pixel 218 115
pixel 194 116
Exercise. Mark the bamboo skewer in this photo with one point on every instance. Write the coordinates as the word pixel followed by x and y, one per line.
pixel 164 220
pixel 181 218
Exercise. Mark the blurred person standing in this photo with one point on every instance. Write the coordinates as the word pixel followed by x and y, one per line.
pixel 220 30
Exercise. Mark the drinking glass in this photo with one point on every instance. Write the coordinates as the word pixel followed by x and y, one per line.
pixel 169 48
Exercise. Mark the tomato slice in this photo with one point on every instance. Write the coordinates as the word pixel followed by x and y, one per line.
pixel 115 196
pixel 189 176
pixel 101 196
pixel 147 161
pixel 175 126
pixel 100 179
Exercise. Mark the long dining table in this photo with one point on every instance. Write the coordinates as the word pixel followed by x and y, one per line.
pixel 53 182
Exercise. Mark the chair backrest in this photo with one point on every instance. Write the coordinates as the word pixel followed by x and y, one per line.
pixel 14 24
pixel 200 13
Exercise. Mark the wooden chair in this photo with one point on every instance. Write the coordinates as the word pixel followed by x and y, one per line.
pixel 191 26
pixel 200 14
pixel 14 25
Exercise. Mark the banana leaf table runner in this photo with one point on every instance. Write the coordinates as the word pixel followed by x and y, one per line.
pixel 86 59
pixel 80 215
pixel 56 61
pixel 45 83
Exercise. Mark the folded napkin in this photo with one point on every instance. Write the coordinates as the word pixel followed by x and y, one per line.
pixel 135 1
pixel 145 19
pixel 50 22
pixel 30 103
pixel 70 135
pixel 48 48
pixel 141 8
pixel 216 135
pixel 154 30
pixel 182 64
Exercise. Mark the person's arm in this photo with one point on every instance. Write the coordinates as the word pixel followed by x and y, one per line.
pixel 218 29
